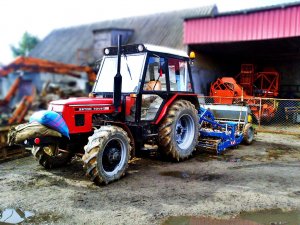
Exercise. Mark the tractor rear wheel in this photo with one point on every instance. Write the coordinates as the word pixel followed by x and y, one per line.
pixel 50 157
pixel 107 154
pixel 179 131
pixel 248 134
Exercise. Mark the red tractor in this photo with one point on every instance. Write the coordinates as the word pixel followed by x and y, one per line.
pixel 152 106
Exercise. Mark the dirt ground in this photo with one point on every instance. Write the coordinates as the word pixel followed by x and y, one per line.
pixel 265 175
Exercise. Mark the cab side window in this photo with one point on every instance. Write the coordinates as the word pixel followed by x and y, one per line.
pixel 179 75
pixel 155 79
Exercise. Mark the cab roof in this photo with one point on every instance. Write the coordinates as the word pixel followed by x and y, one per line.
pixel 136 48
pixel 162 49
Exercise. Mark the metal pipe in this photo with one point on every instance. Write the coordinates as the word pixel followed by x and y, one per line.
pixel 118 79
pixel 259 114
pixel 119 55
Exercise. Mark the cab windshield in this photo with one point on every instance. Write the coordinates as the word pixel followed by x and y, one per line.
pixel 132 66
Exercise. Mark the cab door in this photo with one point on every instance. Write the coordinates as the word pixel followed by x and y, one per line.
pixel 155 88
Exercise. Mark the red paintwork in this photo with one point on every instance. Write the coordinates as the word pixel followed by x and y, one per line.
pixel 225 90
pixel 87 106
pixel 260 25
pixel 83 101
pixel 168 103
pixel 129 103
pixel 267 81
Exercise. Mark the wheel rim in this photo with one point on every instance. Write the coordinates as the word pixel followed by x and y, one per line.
pixel 184 131
pixel 113 157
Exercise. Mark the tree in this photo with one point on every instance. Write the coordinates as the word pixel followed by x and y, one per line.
pixel 27 43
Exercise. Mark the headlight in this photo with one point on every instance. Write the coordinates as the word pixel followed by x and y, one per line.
pixel 50 107
pixel 140 48
pixel 106 51
pixel 56 108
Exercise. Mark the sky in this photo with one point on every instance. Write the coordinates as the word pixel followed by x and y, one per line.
pixel 40 17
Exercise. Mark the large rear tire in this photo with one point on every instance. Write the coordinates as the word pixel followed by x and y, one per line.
pixel 50 157
pixel 107 154
pixel 179 131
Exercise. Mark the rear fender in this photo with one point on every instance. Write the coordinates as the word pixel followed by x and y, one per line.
pixel 189 97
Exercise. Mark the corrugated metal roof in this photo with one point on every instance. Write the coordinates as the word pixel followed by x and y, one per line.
pixel 250 10
pixel 258 25
pixel 165 29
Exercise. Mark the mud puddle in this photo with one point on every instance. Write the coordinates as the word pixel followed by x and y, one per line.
pixel 274 153
pixel 177 174
pixel 192 176
pixel 14 216
pixel 206 156
pixel 265 217
pixel 19 216
pixel 264 152
pixel 187 220
pixel 273 217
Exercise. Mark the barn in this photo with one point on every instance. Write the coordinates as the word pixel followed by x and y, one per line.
pixel 264 39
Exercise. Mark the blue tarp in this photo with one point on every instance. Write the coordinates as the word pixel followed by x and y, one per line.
pixel 51 119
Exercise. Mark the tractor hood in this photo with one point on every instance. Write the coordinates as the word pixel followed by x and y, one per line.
pixel 83 101
pixel 96 105
pixel 78 112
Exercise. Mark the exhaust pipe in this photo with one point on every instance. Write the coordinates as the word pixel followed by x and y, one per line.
pixel 118 79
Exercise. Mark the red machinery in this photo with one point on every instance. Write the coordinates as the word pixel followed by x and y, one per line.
pixel 261 84
pixel 251 85
pixel 110 126
pixel 30 64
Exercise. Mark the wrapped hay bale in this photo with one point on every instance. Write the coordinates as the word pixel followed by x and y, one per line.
pixel 18 134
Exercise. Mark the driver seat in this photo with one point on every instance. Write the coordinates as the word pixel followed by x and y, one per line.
pixel 153 85
pixel 151 102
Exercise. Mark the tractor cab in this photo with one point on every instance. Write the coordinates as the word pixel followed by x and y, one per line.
pixel 151 75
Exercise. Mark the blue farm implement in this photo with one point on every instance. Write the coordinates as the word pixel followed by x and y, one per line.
pixel 224 126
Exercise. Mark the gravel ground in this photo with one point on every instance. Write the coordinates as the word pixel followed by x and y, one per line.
pixel 264 175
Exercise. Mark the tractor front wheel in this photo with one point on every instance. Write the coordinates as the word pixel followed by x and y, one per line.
pixel 107 154
pixel 49 156
pixel 179 131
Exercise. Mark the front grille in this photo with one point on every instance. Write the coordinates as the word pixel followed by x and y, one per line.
pixel 79 120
